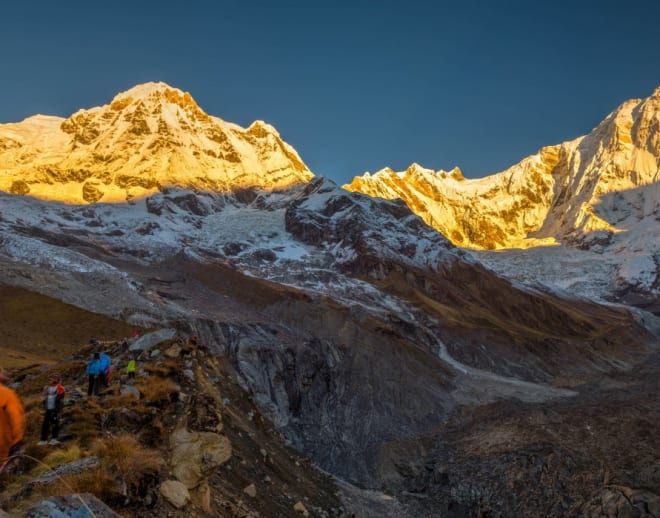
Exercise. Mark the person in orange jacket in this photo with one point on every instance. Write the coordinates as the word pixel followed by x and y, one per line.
pixel 12 420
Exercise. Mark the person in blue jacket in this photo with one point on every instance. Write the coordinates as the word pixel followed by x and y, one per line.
pixel 105 369
pixel 93 372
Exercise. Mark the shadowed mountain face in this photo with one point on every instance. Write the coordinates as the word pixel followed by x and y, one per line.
pixel 391 357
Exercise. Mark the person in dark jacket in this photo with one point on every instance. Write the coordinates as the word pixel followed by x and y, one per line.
pixel 53 397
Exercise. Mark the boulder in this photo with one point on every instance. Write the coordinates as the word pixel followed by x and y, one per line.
pixel 149 340
pixel 173 351
pixel 195 455
pixel 175 493
pixel 201 496
pixel 301 509
pixel 129 389
pixel 250 491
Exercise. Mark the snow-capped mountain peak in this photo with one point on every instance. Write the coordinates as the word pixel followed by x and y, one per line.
pixel 149 90
pixel 150 137
pixel 597 195
pixel 563 192
pixel 160 98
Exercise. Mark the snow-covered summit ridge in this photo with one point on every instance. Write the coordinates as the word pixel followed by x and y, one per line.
pixel 595 200
pixel 146 90
pixel 586 189
pixel 149 137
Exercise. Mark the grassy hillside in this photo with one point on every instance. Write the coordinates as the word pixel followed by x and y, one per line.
pixel 35 328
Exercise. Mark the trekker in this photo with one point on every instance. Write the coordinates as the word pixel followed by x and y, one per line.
pixel 105 369
pixel 53 397
pixel 12 421
pixel 130 369
pixel 93 372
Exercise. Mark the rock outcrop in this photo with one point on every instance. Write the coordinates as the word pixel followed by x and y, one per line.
pixel 82 506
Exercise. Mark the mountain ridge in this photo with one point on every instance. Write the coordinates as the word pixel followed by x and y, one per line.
pixel 150 137
pixel 591 204
pixel 548 197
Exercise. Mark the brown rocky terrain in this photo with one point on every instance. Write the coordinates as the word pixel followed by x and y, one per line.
pixel 38 329
pixel 439 442
pixel 593 455
pixel 183 440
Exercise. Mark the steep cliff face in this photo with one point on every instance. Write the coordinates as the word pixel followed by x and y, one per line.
pixel 584 190
pixel 148 138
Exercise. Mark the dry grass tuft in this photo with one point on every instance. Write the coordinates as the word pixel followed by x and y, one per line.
pixel 86 421
pixel 33 415
pixel 157 389
pixel 119 401
pixel 127 470
pixel 163 368
pixel 135 465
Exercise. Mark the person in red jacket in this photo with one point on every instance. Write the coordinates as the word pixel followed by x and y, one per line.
pixel 12 421
pixel 53 397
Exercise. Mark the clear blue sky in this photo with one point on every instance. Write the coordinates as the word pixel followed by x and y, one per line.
pixel 354 85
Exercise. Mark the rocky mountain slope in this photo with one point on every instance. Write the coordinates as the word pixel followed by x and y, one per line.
pixel 368 339
pixel 182 439
pixel 599 193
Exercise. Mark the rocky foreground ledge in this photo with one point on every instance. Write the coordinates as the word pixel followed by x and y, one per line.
pixel 183 439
